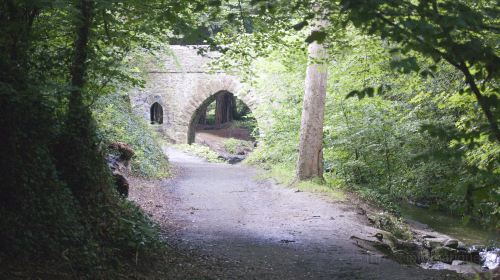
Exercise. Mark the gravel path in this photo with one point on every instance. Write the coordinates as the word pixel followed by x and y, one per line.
pixel 234 226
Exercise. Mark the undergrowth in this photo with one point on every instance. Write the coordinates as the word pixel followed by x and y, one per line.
pixel 117 122
pixel 61 215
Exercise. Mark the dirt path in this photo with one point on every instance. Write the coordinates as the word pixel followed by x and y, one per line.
pixel 243 228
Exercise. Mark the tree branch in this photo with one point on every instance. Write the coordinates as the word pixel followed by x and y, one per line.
pixel 481 100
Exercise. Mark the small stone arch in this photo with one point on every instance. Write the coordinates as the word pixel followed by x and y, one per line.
pixel 156 113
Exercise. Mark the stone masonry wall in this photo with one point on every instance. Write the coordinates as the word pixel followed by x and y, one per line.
pixel 180 83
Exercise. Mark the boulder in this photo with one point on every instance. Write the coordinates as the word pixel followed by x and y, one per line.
pixel 451 243
pixel 448 255
pixel 435 265
pixel 410 252
pixel 433 242
pixel 405 257
pixel 462 246
pixel 373 245
pixel 402 251
pixel 442 254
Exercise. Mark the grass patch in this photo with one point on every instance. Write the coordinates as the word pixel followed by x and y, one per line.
pixel 200 151
pixel 326 188
pixel 285 175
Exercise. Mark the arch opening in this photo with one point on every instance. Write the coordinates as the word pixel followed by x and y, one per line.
pixel 225 124
pixel 156 113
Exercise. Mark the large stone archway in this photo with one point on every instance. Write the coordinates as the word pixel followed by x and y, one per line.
pixel 181 84
pixel 206 95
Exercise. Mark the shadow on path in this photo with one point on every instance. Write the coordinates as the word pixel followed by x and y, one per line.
pixel 255 229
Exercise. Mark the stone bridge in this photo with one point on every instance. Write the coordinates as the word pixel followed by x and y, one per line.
pixel 177 86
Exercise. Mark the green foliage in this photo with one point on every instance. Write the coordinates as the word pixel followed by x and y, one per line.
pixel 61 215
pixel 400 144
pixel 210 114
pixel 116 122
pixel 461 33
pixel 430 130
pixel 33 198
pixel 279 80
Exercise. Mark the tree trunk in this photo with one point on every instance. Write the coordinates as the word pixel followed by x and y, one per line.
pixel 224 108
pixel 78 166
pixel 483 102
pixel 203 116
pixel 469 200
pixel 16 20
pixel 78 66
pixel 310 161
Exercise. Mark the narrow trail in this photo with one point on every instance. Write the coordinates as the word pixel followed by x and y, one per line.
pixel 259 230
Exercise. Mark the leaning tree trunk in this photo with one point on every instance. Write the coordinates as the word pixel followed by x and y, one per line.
pixel 224 108
pixel 310 161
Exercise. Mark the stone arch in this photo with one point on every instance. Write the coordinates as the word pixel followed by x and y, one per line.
pixel 156 113
pixel 204 96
